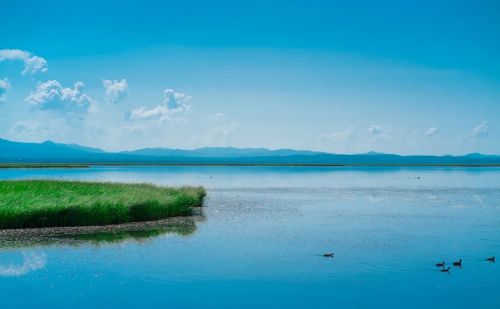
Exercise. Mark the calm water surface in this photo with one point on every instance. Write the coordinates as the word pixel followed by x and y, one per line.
pixel 262 237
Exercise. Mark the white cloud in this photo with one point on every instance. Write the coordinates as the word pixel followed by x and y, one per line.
pixel 159 112
pixel 40 127
pixel 431 131
pixel 4 86
pixel 221 136
pixel 379 133
pixel 31 262
pixel 176 101
pixel 115 90
pixel 32 63
pixel 51 95
pixel 338 136
pixel 481 130
pixel 173 102
pixel 375 129
pixel 220 116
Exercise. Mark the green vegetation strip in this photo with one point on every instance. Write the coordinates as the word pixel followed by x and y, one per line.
pixel 46 203
pixel 88 165
pixel 43 165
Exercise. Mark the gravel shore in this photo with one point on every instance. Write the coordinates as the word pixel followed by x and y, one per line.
pixel 76 235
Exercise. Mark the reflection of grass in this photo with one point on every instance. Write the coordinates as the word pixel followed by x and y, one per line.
pixel 47 203
pixel 139 235
pixel 114 235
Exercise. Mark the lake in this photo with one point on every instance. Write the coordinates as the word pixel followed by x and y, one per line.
pixel 261 240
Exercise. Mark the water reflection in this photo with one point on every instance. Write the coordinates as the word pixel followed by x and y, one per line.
pixel 31 261
pixel 138 236
pixel 138 232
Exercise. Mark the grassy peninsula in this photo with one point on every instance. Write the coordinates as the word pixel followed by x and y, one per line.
pixel 47 203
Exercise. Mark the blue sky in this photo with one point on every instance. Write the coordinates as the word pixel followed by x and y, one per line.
pixel 339 76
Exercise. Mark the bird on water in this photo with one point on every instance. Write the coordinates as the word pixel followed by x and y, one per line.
pixel 458 263
pixel 328 254
pixel 440 264
pixel 445 270
pixel 491 259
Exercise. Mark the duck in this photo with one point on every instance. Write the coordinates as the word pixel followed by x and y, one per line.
pixel 458 263
pixel 491 259
pixel 328 254
pixel 445 270
pixel 440 264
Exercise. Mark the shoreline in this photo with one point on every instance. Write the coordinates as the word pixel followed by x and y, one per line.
pixel 90 165
pixel 70 234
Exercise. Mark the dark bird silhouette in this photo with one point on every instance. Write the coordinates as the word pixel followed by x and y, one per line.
pixel 445 270
pixel 458 263
pixel 328 254
pixel 491 259
pixel 440 264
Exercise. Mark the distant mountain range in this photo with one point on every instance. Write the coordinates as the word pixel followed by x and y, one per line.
pixel 220 152
pixel 50 152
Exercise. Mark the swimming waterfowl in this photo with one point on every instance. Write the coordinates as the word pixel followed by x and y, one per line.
pixel 445 270
pixel 458 263
pixel 328 254
pixel 491 259
pixel 440 264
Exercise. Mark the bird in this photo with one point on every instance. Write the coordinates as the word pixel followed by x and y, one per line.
pixel 445 270
pixel 491 259
pixel 328 254
pixel 458 263
pixel 440 264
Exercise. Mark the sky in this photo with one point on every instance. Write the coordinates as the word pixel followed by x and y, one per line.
pixel 407 77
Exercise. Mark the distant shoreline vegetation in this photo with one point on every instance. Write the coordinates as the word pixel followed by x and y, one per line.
pixel 88 165
pixel 47 203
pixel 43 165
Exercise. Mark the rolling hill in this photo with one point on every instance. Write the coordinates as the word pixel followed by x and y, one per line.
pixel 50 152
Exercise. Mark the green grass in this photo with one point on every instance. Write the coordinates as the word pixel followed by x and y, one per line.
pixel 89 165
pixel 47 203
pixel 43 165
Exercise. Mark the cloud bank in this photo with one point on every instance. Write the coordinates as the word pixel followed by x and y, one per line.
pixel 431 131
pixel 338 136
pixel 4 86
pixel 173 102
pixel 51 95
pixel 375 129
pixel 32 63
pixel 481 130
pixel 220 116
pixel 115 90
pixel 222 136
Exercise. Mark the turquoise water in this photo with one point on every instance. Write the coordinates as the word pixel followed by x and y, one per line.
pixel 261 242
